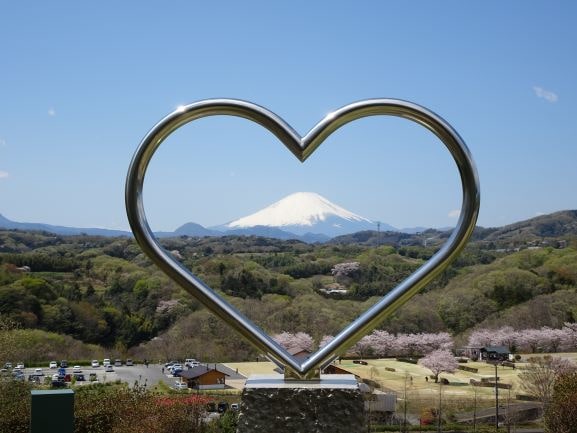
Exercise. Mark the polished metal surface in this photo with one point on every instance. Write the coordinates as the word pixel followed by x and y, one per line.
pixel 302 148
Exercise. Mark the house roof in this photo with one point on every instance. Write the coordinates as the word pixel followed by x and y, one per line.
pixel 496 349
pixel 199 370
pixel 296 350
pixel 333 369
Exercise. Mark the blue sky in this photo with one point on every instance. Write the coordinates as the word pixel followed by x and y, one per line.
pixel 81 84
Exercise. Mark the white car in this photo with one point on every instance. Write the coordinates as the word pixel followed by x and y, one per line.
pixel 53 364
pixel 20 366
pixel 180 386
pixel 106 362
pixel 38 372
pixel 109 368
pixel 76 369
pixel 95 363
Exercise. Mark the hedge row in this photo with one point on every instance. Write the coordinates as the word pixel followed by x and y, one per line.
pixel 469 369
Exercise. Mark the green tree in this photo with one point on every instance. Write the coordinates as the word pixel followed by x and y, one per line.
pixel 561 413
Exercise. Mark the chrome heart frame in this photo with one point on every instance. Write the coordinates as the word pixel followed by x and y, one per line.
pixel 302 148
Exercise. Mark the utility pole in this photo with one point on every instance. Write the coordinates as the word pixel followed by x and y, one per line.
pixel 440 411
pixel 496 400
pixel 475 411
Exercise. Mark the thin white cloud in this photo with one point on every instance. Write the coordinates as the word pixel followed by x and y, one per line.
pixel 3 174
pixel 547 95
pixel 2 142
pixel 454 213
pixel 51 112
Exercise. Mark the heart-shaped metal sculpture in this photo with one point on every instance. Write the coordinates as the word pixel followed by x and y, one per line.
pixel 302 148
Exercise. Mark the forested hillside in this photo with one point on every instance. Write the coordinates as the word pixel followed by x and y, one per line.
pixel 104 291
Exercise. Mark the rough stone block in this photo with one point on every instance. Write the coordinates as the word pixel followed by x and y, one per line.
pixel 270 404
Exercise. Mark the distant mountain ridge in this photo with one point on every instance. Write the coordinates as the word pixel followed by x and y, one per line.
pixel 550 226
pixel 5 223
pixel 304 216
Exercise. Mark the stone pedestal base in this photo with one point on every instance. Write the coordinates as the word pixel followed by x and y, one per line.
pixel 332 405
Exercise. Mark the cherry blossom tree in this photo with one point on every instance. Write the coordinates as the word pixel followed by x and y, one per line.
pixel 554 338
pixel 289 341
pixel 439 361
pixel 530 340
pixel 345 271
pixel 506 336
pixel 570 331
pixel 364 346
pixel 326 340
pixel 481 338
pixel 429 342
pixel 382 342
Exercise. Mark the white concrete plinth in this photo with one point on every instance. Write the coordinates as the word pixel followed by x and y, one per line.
pixel 332 404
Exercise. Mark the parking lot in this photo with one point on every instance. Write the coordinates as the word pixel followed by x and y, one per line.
pixel 149 375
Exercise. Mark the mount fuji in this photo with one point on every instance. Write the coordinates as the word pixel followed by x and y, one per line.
pixel 304 213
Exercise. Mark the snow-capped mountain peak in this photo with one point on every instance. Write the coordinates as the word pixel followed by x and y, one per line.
pixel 300 209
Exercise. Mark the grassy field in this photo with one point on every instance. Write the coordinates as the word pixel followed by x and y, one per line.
pixel 409 380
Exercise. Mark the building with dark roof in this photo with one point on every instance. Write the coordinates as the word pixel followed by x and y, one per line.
pixel 204 377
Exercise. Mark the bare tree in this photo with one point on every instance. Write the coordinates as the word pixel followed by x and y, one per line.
pixel 539 376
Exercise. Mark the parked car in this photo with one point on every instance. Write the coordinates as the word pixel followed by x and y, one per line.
pixel 118 363
pixel 109 368
pixel 58 381
pixel 129 363
pixel 175 367
pixel 234 406
pixel 95 363
pixel 180 386
pixel 53 364
pixel 222 407
pixel 106 362
pixel 38 372
pixel 79 377
pixel 18 375
pixel 64 363
pixel 8 365
pixel 191 362
pixel 34 378
pixel 92 377
pixel 20 366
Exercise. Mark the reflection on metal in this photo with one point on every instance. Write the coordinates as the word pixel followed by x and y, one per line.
pixel 302 148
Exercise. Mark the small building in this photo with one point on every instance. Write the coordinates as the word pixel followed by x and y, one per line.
pixel 203 377
pixel 299 354
pixel 333 369
pixel 471 352
pixel 495 353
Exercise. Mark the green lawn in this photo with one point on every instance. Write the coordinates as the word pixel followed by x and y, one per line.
pixel 419 388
